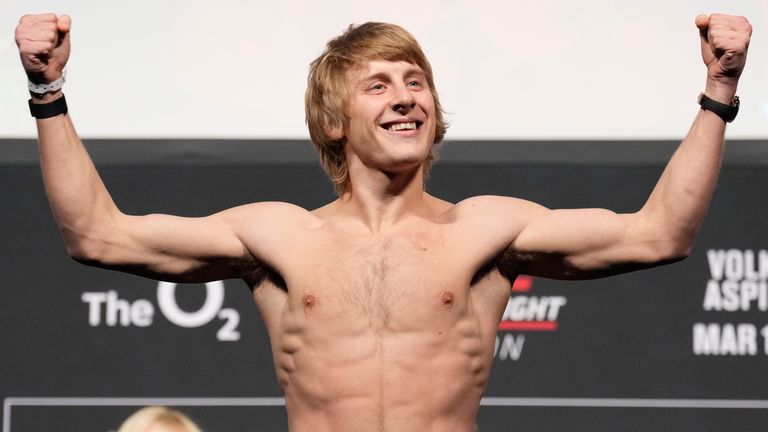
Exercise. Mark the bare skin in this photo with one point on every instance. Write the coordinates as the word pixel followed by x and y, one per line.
pixel 382 306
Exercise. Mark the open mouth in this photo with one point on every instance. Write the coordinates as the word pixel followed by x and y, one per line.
pixel 401 126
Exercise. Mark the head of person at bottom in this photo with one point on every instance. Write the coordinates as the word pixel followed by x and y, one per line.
pixel 371 104
pixel 158 419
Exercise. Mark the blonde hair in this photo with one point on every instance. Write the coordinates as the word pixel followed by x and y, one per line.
pixel 144 418
pixel 326 97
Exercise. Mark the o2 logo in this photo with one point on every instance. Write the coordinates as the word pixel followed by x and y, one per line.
pixel 106 308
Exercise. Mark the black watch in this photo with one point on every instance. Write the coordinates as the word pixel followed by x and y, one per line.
pixel 726 112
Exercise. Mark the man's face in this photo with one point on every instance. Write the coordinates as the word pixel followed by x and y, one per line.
pixel 392 115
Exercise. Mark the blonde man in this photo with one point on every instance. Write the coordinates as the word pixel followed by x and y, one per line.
pixel 158 419
pixel 381 306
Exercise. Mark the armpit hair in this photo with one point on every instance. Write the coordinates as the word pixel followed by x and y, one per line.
pixel 255 273
pixel 509 263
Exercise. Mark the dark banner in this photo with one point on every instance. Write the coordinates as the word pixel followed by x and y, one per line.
pixel 680 347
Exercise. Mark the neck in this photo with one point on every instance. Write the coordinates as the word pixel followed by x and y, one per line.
pixel 380 199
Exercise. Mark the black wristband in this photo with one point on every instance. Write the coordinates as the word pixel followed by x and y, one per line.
pixel 50 109
pixel 726 112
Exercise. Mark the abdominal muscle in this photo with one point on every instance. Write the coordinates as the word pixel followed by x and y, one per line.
pixel 419 365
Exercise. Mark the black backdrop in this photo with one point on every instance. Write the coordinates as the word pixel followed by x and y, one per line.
pixel 680 347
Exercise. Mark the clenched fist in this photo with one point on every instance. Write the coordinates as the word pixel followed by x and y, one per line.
pixel 724 43
pixel 43 42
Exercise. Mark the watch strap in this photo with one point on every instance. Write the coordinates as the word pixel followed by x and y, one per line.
pixel 725 112
pixel 50 109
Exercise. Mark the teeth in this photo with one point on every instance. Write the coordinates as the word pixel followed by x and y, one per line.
pixel 403 126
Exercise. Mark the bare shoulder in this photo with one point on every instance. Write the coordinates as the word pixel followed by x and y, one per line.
pixel 265 226
pixel 501 209
pixel 269 211
pixel 492 223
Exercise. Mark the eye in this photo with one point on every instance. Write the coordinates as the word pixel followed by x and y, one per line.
pixel 377 88
pixel 414 83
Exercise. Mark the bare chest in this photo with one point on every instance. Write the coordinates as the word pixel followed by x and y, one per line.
pixel 395 282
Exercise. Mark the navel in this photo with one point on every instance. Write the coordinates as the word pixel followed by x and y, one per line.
pixel 447 299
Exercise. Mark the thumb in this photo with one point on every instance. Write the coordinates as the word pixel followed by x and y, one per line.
pixel 702 21
pixel 64 23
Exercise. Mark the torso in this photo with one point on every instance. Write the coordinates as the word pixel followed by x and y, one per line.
pixel 382 332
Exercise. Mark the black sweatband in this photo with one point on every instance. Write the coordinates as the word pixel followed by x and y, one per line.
pixel 50 109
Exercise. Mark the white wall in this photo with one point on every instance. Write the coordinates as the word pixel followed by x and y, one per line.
pixel 548 69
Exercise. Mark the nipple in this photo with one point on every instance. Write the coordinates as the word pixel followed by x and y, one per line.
pixel 448 299
pixel 309 301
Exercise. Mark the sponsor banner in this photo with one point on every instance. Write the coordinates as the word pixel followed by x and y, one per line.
pixel 106 308
pixel 695 330
pixel 525 314
pixel 738 284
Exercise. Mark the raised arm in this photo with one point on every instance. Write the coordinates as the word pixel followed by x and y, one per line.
pixel 95 231
pixel 587 243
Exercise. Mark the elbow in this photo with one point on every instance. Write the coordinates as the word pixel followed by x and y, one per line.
pixel 665 244
pixel 678 254
pixel 89 243
pixel 673 251
pixel 86 251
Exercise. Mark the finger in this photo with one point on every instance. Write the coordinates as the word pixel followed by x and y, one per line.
pixel 40 34
pixel 34 18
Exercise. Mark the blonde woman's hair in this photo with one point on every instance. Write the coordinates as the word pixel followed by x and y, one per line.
pixel 144 418
pixel 325 101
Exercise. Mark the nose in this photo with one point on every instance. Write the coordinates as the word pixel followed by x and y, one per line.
pixel 402 100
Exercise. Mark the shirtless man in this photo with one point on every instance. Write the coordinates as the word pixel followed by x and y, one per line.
pixel 381 306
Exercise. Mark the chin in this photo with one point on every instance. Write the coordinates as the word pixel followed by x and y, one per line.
pixel 405 163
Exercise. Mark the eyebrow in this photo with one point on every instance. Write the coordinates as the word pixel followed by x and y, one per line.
pixel 383 76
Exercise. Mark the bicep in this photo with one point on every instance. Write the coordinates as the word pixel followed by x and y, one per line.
pixel 173 248
pixel 585 243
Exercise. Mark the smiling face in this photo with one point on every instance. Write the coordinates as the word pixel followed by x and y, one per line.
pixel 391 116
pixel 333 92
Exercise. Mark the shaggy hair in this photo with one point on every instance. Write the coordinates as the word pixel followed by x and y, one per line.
pixel 326 96
pixel 144 418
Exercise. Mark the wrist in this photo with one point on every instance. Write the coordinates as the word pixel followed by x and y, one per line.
pixel 39 89
pixel 719 91
pixel 46 97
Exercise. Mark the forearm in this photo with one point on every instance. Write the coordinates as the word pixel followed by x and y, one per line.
pixel 676 208
pixel 79 201
pixel 678 204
